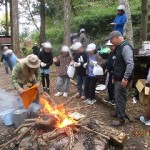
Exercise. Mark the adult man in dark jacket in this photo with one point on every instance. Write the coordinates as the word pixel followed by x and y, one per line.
pixel 123 69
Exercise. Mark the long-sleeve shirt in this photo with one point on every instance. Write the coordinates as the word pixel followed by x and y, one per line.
pixel 127 54
pixel 120 21
pixel 46 58
pixel 22 75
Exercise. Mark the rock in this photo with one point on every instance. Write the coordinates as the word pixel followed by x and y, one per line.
pixel 27 144
pixel 79 146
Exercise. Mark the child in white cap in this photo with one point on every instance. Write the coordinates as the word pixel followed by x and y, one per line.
pixel 63 80
pixel 91 80
pixel 46 57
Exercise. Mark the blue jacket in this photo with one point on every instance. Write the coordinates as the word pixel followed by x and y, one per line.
pixel 13 60
pixel 120 21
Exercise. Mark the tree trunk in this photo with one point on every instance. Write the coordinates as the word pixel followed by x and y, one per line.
pixel 144 19
pixel 6 14
pixel 42 16
pixel 67 12
pixel 14 25
pixel 128 27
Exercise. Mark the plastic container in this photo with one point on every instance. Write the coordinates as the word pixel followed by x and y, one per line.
pixel 8 117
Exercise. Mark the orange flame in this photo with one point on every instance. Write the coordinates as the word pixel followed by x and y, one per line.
pixel 59 112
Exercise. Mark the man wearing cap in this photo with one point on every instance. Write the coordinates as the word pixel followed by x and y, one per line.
pixel 120 20
pixel 123 69
pixel 83 39
pixel 26 71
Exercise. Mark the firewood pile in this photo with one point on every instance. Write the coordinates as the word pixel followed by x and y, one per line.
pixel 54 129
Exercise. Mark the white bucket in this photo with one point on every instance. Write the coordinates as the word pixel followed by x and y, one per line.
pixel 8 117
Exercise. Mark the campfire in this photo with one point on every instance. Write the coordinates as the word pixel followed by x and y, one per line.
pixel 59 112
pixel 56 129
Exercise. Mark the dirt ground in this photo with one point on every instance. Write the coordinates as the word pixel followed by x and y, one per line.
pixel 99 111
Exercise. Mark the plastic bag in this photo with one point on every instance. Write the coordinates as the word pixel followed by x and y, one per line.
pixel 98 70
pixel 71 71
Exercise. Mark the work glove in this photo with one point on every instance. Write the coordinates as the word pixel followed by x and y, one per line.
pixel 20 91
pixel 43 64
pixel 77 64
pixel 85 65
pixel 1 63
pixel 93 63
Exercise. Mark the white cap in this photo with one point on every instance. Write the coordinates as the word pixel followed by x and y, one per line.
pixel 47 45
pixel 109 43
pixel 82 30
pixel 76 46
pixel 91 47
pixel 65 49
pixel 35 43
pixel 121 7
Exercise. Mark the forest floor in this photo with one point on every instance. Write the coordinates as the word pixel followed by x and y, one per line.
pixel 99 111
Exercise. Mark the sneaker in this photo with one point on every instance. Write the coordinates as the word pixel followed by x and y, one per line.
pixel 117 123
pixel 91 102
pixel 112 102
pixel 48 90
pixel 82 97
pixel 65 94
pixel 44 89
pixel 77 95
pixel 58 94
pixel 87 100
pixel 106 100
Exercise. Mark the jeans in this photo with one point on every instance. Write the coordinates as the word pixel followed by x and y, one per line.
pixel 63 84
pixel 90 85
pixel 120 99
pixel 7 66
pixel 81 85
pixel 110 88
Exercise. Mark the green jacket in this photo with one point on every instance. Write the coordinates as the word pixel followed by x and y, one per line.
pixel 21 74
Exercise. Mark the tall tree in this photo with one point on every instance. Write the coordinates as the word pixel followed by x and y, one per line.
pixel 128 26
pixel 42 16
pixel 6 15
pixel 144 19
pixel 67 13
pixel 14 25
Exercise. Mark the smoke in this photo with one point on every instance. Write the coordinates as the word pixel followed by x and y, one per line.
pixel 7 101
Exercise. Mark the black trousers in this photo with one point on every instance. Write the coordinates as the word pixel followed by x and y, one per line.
pixel 111 88
pixel 90 85
pixel 45 76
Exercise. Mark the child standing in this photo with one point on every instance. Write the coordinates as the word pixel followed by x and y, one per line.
pixel 80 59
pixel 46 58
pixel 63 80
pixel 91 79
pixel 110 68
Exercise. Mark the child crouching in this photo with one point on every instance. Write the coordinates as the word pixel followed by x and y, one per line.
pixel 91 79
pixel 63 81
